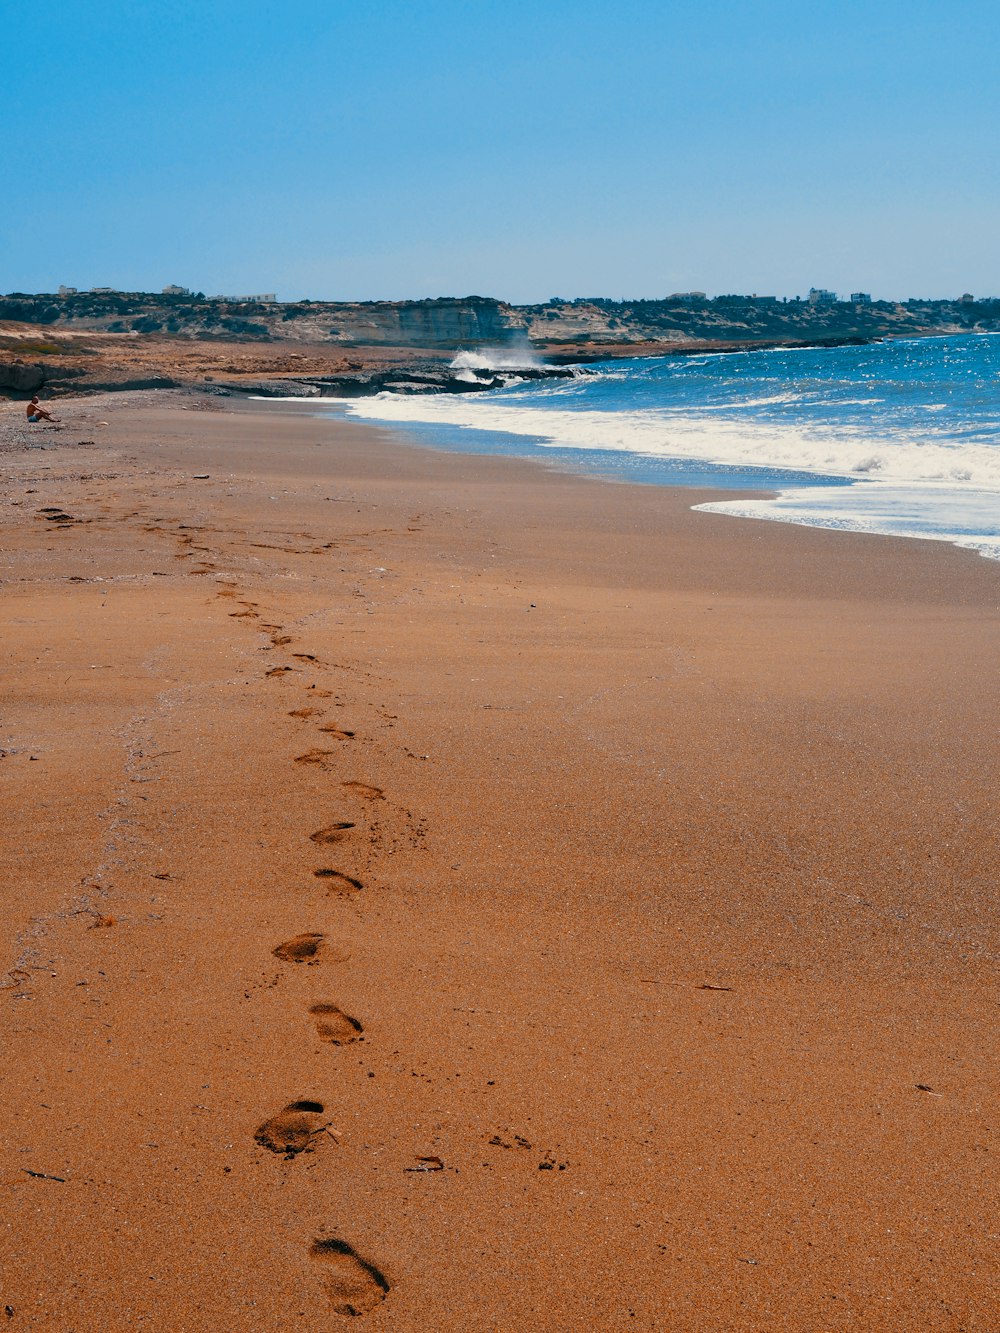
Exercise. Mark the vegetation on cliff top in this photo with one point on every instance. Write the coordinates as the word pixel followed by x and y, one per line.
pixel 446 322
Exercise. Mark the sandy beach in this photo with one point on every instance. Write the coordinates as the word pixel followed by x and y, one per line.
pixel 457 895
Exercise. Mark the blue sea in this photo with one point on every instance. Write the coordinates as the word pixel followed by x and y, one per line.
pixel 898 437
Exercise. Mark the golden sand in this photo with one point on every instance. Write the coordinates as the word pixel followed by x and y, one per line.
pixel 451 894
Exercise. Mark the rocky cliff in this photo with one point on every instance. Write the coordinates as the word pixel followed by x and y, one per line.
pixel 448 322
pixel 113 340
pixel 452 322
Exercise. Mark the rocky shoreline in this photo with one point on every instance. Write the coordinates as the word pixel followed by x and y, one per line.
pixel 79 365
pixel 407 380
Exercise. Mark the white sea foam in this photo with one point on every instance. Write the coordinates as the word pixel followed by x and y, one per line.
pixel 516 355
pixel 657 433
pixel 903 437
pixel 958 517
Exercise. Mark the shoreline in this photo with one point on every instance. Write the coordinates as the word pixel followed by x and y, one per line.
pixel 657 859
pixel 85 362
pixel 797 498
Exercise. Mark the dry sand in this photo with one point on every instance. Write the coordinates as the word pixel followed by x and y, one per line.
pixel 631 874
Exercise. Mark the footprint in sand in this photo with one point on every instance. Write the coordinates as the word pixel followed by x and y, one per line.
pixel 332 833
pixel 334 1026
pixel 339 883
pixel 279 640
pixel 364 790
pixel 306 712
pixel 354 1285
pixel 279 671
pixel 305 948
pixel 311 947
pixel 292 1130
pixel 331 729
pixel 319 757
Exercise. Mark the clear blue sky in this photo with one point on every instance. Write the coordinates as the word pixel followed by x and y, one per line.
pixel 355 149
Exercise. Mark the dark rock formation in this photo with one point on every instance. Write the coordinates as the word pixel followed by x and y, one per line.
pixel 396 379
pixel 21 376
pixel 142 382
pixel 71 381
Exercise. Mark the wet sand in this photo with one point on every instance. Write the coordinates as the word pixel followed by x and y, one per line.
pixel 631 874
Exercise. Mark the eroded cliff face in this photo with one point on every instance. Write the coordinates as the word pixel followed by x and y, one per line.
pixel 441 323
pixel 448 322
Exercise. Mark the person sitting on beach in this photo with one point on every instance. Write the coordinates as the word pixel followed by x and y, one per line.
pixel 36 412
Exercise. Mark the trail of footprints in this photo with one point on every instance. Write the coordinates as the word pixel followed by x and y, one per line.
pixel 353 1284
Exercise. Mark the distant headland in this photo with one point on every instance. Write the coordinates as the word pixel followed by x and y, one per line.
pixel 79 341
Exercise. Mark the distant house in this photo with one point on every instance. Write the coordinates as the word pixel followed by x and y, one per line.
pixel 820 296
pixel 174 290
pixel 67 291
pixel 103 291
pixel 267 298
pixel 687 298
pixel 967 298
pixel 733 298
pixel 861 298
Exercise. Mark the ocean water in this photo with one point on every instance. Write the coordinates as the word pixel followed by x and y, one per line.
pixel 898 437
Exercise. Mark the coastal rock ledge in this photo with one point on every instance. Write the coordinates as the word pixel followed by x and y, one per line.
pixel 397 379
pixel 21 376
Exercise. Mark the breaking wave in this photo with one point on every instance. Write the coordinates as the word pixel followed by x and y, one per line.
pixel 517 355
pixel 900 437
pixel 736 443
